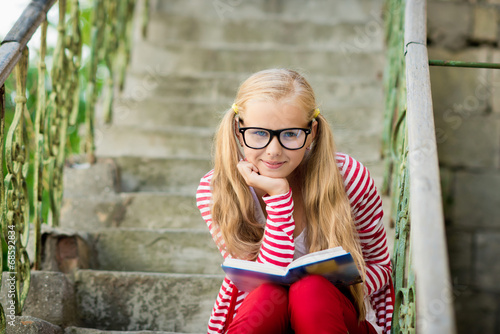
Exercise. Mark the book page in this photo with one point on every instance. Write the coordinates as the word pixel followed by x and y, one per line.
pixel 317 256
pixel 254 266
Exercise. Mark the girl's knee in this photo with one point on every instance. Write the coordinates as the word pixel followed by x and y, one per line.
pixel 314 287
pixel 310 284
pixel 270 299
pixel 272 292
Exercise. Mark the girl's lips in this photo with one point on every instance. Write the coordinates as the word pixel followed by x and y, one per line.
pixel 273 164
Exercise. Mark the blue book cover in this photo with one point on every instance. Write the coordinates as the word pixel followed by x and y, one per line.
pixel 335 264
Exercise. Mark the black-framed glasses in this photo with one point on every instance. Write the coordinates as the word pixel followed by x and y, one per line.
pixel 290 138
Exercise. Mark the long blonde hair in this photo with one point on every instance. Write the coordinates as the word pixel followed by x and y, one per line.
pixel 330 221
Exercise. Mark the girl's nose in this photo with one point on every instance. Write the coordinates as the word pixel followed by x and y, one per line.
pixel 274 148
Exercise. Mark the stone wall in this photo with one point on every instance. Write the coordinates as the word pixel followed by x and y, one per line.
pixel 467 117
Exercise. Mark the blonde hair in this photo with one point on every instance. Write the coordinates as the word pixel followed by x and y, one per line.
pixel 330 221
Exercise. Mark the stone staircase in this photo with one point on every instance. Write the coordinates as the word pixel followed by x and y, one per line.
pixel 135 253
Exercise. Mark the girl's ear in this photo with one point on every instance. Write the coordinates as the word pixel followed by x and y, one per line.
pixel 236 132
pixel 314 130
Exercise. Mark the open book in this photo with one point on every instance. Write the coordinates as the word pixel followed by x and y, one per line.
pixel 335 264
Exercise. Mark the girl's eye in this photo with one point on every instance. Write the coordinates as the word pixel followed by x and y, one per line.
pixel 290 134
pixel 260 133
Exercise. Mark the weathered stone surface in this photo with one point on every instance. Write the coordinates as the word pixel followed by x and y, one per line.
pixel 473 142
pixel 31 325
pixel 476 312
pixel 133 301
pixel 82 180
pixel 442 27
pixel 365 148
pixel 174 176
pixel 315 11
pixel 188 59
pixel 157 111
pixel 211 95
pixel 50 297
pixel 182 142
pixel 486 21
pixel 65 250
pixel 139 210
pixel 447 184
pixel 487 266
pixel 79 330
pixel 460 92
pixel 165 28
pixel 150 210
pixel 84 214
pixel 477 200
pixel 174 251
pixel 460 250
pixel 495 84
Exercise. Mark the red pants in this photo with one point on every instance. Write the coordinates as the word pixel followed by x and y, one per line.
pixel 313 305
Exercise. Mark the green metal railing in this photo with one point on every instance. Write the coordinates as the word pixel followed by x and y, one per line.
pixel 421 274
pixel 396 178
pixel 55 112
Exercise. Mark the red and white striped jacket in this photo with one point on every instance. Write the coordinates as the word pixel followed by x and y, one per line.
pixel 278 243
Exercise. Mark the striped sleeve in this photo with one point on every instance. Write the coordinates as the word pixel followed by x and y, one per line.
pixel 203 201
pixel 367 210
pixel 277 245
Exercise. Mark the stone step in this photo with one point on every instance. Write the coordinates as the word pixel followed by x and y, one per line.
pixel 131 210
pixel 183 58
pixel 164 251
pixel 180 176
pixel 157 110
pixel 165 27
pixel 80 330
pixel 127 301
pixel 319 11
pixel 158 141
pixel 364 115
pixel 362 142
pixel 200 100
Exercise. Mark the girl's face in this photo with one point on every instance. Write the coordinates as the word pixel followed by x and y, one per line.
pixel 274 160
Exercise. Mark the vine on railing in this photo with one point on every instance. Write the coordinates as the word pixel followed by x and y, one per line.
pixel 16 190
pixel 63 100
pixel 396 178
pixel 110 47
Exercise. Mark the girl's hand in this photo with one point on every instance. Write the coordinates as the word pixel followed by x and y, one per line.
pixel 272 186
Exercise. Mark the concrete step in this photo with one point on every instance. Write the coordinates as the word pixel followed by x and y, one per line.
pixel 199 100
pixel 158 141
pixel 126 301
pixel 180 176
pixel 165 28
pixel 153 143
pixel 164 251
pixel 157 110
pixel 323 11
pixel 131 210
pixel 350 104
pixel 183 58
pixel 80 330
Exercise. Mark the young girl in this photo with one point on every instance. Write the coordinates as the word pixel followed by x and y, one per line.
pixel 278 191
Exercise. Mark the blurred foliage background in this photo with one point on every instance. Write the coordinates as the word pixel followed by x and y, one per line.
pixel 73 143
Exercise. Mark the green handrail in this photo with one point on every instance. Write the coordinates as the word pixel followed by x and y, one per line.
pixel 410 153
pixel 396 178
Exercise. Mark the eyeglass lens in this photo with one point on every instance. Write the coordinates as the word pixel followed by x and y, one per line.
pixel 260 138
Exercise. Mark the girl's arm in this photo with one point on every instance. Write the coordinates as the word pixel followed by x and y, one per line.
pixel 277 245
pixel 367 209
